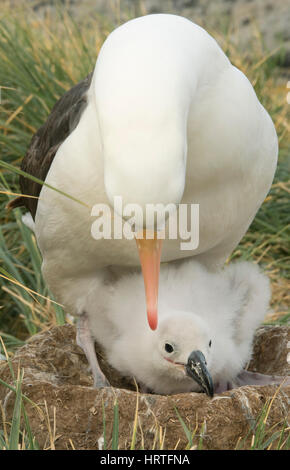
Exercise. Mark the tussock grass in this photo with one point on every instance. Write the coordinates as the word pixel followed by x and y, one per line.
pixel 266 437
pixel 39 60
pixel 16 435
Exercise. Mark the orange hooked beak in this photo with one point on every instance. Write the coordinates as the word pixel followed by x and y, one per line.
pixel 150 254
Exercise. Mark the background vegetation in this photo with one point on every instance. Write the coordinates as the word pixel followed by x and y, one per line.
pixel 40 58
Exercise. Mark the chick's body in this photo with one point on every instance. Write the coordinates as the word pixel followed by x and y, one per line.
pixel 215 313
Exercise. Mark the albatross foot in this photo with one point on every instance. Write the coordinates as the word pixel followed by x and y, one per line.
pixel 100 382
pixel 247 377
pixel 85 341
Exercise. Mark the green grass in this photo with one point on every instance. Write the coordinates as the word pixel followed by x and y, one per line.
pixel 266 437
pixel 18 437
pixel 36 69
pixel 17 434
pixel 40 59
pixel 260 436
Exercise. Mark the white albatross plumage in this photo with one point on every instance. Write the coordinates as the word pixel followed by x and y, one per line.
pixel 201 315
pixel 168 120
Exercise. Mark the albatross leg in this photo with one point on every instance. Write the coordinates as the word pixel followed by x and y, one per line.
pixel 86 342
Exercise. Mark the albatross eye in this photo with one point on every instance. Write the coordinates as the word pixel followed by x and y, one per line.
pixel 209 343
pixel 168 348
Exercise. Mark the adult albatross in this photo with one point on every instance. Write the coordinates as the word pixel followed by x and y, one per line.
pixel 165 118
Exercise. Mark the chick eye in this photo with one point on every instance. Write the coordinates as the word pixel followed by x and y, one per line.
pixel 168 348
pixel 209 343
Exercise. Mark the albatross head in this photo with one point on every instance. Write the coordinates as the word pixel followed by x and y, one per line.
pixel 183 351
pixel 142 112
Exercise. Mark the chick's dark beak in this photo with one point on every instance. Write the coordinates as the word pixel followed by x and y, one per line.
pixel 197 370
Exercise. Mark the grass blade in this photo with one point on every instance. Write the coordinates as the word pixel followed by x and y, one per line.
pixel 115 434
pixel 15 427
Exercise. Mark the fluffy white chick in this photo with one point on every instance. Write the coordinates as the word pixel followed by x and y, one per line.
pixel 206 326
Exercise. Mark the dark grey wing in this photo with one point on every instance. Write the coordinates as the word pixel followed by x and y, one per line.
pixel 63 118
